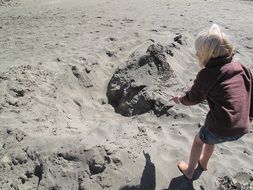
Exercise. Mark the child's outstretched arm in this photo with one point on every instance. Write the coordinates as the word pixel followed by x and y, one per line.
pixel 197 93
pixel 251 99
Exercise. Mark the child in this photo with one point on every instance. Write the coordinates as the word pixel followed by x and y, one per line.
pixel 227 86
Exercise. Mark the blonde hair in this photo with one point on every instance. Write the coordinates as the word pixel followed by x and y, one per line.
pixel 211 44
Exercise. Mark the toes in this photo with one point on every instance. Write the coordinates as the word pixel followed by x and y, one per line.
pixel 182 166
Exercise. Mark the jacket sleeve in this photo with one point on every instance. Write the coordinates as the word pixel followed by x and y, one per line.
pixel 198 91
pixel 250 85
pixel 251 97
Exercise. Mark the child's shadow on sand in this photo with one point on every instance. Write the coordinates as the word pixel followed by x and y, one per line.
pixel 148 179
pixel 180 183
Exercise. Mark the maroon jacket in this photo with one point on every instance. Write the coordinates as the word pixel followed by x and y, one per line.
pixel 226 85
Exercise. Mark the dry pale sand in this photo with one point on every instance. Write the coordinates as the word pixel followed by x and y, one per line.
pixel 60 59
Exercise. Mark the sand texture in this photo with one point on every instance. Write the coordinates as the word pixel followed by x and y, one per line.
pixel 85 88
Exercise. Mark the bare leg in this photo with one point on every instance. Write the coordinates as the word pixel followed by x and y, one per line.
pixel 206 154
pixel 188 169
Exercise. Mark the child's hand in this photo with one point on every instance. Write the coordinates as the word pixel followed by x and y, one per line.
pixel 175 99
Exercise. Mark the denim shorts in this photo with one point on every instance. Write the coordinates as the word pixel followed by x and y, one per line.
pixel 208 137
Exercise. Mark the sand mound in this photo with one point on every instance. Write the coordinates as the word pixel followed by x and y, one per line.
pixel 24 86
pixel 135 87
pixel 78 167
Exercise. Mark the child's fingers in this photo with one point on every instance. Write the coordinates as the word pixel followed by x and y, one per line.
pixel 172 98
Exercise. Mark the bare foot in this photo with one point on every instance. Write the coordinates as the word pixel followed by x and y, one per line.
pixel 183 167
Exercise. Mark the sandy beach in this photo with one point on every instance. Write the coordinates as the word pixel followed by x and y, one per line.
pixel 85 106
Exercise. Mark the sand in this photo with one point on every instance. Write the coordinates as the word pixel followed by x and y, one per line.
pixel 79 110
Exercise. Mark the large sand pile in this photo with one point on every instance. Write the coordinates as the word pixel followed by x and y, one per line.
pixel 85 87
